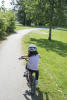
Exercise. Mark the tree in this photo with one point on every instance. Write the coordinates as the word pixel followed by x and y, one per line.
pixel 52 3
pixel 2 8
pixel 21 12
pixel 42 12
pixel 56 14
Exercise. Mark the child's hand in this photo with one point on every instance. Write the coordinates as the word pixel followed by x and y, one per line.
pixel 23 57
pixel 20 58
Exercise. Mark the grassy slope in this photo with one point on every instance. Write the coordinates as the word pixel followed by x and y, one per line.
pixel 53 63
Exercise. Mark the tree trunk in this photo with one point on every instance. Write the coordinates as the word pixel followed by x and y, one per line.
pixel 50 30
pixel 24 18
pixel 51 19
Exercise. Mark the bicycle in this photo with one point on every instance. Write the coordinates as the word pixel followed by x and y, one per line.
pixel 31 81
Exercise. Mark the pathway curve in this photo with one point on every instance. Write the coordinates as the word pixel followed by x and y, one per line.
pixel 12 83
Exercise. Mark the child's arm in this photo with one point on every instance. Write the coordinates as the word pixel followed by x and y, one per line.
pixel 24 57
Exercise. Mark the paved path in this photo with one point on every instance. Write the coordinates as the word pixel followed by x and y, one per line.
pixel 12 83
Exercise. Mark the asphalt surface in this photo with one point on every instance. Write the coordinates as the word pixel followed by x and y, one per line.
pixel 13 85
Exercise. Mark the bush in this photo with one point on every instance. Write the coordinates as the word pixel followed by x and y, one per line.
pixel 7 23
pixel 2 26
pixel 10 16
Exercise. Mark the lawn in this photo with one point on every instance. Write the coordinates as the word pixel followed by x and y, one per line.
pixel 53 63
pixel 21 27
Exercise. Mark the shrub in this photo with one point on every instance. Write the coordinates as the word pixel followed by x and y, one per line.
pixel 7 23
pixel 10 16
pixel 2 26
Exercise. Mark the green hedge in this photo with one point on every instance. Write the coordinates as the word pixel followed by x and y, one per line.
pixel 7 23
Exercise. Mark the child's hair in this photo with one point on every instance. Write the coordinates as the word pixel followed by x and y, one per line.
pixel 32 53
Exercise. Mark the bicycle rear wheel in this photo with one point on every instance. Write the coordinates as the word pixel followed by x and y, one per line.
pixel 33 86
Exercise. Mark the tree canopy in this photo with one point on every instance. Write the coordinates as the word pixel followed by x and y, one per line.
pixel 41 12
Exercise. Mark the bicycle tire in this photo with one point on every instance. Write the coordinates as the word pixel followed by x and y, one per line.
pixel 33 86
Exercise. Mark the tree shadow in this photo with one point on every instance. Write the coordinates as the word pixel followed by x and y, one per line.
pixel 62 29
pixel 27 95
pixel 53 45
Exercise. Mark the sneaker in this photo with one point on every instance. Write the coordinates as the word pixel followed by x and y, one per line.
pixel 36 82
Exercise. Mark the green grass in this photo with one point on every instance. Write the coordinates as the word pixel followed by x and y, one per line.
pixel 53 63
pixel 21 27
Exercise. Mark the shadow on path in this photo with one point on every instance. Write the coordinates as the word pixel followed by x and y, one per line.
pixel 55 46
pixel 39 95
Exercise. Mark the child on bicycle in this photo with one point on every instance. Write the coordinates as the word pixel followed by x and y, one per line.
pixel 33 61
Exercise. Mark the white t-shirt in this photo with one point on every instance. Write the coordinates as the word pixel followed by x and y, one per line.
pixel 33 62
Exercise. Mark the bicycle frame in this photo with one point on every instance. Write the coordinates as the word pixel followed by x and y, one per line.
pixel 31 80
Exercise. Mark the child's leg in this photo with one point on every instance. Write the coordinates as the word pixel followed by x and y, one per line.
pixel 26 66
pixel 36 75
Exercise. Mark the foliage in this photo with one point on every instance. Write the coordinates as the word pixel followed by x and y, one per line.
pixel 10 16
pixel 2 25
pixel 40 12
pixel 2 8
pixel 7 23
